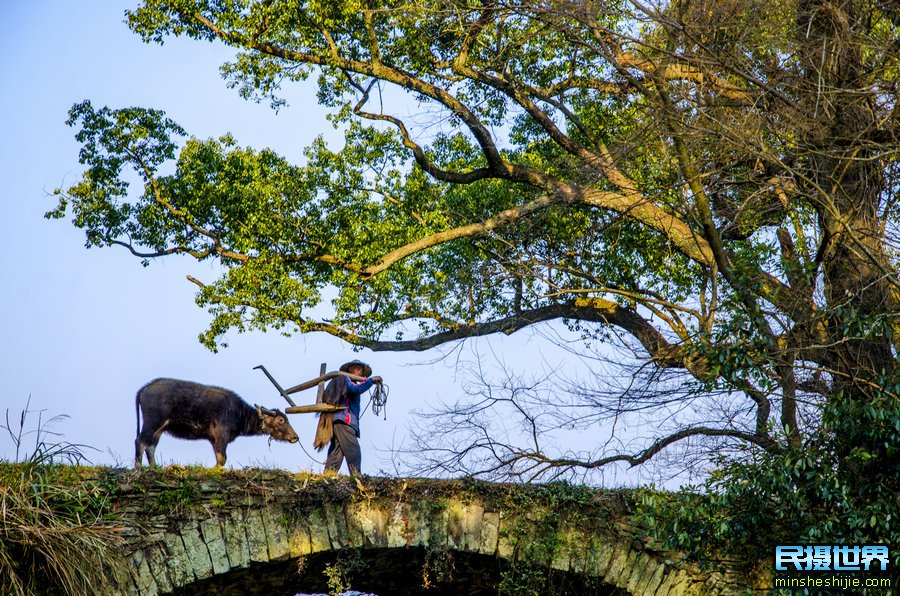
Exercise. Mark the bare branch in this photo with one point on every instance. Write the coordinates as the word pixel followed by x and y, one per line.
pixel 639 458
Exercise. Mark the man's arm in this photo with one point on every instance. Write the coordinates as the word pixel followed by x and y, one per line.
pixel 363 386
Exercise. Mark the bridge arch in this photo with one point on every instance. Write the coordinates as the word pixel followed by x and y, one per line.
pixel 256 531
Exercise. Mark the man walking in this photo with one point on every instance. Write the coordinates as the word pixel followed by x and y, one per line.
pixel 345 392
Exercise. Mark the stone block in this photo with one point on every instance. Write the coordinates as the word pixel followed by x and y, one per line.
pixel 399 533
pixel 490 528
pixel 355 534
pixel 146 584
pixel 506 539
pixel 617 566
pixel 318 531
pixel 156 559
pixel 431 524
pixel 630 564
pixel 123 580
pixel 638 571
pixel 653 578
pixel 197 553
pixel 577 552
pixel 237 547
pixel 570 549
pixel 680 583
pixel 669 580
pixel 275 524
pixel 373 524
pixel 599 556
pixel 180 571
pixel 255 527
pixel 410 524
pixel 464 525
pixel 298 537
pixel 211 530
pixel 298 540
pixel 336 524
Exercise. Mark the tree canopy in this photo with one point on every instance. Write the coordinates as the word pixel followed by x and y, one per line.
pixel 711 184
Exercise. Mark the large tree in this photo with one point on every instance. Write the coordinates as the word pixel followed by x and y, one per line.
pixel 711 184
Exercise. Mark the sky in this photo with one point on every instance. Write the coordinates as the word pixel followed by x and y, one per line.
pixel 83 330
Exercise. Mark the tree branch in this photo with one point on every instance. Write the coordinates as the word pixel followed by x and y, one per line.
pixel 376 69
pixel 634 460
pixel 597 310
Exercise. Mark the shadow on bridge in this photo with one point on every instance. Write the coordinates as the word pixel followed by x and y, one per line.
pixel 395 572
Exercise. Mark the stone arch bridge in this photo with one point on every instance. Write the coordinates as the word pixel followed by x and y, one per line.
pixel 193 531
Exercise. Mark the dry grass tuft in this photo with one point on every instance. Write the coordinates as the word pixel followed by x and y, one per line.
pixel 54 537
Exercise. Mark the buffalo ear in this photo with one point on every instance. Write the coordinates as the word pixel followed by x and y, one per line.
pixel 259 411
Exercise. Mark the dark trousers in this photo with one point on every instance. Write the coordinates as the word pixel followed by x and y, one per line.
pixel 344 444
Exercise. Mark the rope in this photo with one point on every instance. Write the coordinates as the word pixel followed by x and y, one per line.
pixel 378 401
pixel 321 463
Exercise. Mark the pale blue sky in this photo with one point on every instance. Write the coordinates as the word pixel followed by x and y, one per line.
pixel 84 329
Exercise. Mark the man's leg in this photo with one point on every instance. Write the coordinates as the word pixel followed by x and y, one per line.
pixel 335 452
pixel 352 452
pixel 345 436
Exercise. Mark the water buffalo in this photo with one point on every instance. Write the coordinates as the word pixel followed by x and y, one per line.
pixel 193 411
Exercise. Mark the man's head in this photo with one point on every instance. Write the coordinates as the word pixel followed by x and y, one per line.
pixel 357 367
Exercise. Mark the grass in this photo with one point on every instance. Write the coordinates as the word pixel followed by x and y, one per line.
pixel 55 538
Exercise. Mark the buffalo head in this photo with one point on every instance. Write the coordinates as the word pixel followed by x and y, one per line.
pixel 275 424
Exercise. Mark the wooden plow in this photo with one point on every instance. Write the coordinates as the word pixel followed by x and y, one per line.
pixel 317 382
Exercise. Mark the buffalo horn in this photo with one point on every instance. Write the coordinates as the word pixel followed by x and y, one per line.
pixel 265 411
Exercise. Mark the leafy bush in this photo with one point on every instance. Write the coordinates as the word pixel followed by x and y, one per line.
pixel 840 486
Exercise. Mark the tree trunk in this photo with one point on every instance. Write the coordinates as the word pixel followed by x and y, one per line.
pixel 846 186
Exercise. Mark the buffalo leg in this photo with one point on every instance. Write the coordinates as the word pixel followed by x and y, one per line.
pixel 138 452
pixel 146 442
pixel 219 446
pixel 140 448
pixel 151 455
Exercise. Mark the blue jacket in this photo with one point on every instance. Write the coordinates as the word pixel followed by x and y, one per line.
pixel 344 392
